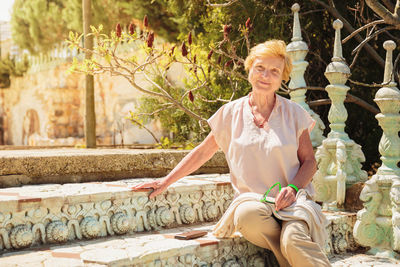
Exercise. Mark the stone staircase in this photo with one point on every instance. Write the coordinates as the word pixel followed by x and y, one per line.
pixel 105 223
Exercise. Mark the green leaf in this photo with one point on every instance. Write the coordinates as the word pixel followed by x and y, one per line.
pixel 107 58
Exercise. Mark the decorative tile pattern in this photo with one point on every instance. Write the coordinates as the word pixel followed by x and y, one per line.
pixel 46 214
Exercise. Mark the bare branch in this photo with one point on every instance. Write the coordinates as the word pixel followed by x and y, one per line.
pixel 174 101
pixel 389 5
pixel 349 99
pixel 165 106
pixel 319 102
pixel 300 13
pixel 168 96
pixel 194 89
pixel 141 125
pixel 213 101
pixel 397 9
pixel 368 85
pixel 356 100
pixel 219 51
pixel 383 12
pixel 230 2
pixel 361 29
pixel 331 9
pixel 354 59
pixel 370 37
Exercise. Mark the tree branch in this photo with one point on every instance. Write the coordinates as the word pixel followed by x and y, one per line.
pixel 141 125
pixel 349 99
pixel 356 100
pixel 389 5
pixel 363 43
pixel 349 28
pixel 397 8
pixel 221 5
pixel 361 29
pixel 384 13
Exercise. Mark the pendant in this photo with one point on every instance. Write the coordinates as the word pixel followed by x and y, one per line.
pixel 258 125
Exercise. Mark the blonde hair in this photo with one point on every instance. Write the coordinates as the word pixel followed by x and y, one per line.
pixel 270 48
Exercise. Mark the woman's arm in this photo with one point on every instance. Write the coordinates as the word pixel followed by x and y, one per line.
pixel 308 164
pixel 308 167
pixel 190 163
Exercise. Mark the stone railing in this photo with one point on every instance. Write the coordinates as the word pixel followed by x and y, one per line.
pixel 339 158
pixel 60 54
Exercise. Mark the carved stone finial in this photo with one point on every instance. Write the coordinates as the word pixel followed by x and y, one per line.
pixel 337 49
pixel 296 23
pixel 295 7
pixel 389 47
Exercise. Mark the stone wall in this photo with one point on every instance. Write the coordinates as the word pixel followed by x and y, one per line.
pixel 47 108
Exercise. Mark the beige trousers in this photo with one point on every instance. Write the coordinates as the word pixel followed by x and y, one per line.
pixel 291 243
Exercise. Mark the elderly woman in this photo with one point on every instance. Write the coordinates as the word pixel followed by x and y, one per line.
pixel 265 138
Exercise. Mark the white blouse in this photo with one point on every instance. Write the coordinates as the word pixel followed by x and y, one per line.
pixel 260 157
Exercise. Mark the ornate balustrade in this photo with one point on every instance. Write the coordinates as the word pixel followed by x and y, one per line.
pixel 378 224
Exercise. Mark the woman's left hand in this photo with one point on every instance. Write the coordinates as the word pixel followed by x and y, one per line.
pixel 285 198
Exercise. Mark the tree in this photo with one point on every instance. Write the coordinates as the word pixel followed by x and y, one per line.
pixel 39 25
pixel 90 117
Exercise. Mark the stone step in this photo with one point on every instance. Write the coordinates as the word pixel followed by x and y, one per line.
pixel 147 249
pixel 160 248
pixel 31 215
pixel 34 215
pixel 19 167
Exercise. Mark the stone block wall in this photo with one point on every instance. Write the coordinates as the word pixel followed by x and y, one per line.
pixel 47 108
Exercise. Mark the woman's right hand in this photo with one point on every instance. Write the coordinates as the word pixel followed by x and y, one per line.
pixel 158 186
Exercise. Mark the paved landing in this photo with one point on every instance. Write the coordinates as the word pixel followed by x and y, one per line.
pixel 141 249
pixel 362 260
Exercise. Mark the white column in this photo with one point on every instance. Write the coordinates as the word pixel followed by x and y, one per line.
pixel 339 158
pixel 297 50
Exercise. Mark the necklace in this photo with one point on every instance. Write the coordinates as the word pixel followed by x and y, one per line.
pixel 261 125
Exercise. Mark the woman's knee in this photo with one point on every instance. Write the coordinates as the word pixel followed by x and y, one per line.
pixel 293 234
pixel 250 215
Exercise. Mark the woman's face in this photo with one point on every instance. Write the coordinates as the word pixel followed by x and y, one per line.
pixel 265 75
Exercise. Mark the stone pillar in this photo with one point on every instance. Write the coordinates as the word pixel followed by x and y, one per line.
pixel 378 223
pixel 297 50
pixel 339 158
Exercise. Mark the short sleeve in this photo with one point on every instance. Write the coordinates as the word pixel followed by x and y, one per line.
pixel 305 121
pixel 220 124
